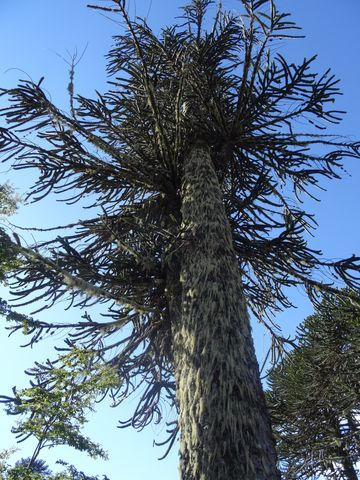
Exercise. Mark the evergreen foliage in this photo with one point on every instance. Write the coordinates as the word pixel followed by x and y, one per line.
pixel 314 398
pixel 221 89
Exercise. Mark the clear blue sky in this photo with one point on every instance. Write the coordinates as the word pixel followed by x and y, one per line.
pixel 33 38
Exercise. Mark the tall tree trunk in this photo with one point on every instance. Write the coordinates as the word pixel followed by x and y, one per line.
pixel 225 430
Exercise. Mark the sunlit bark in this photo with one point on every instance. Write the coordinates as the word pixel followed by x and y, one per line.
pixel 225 432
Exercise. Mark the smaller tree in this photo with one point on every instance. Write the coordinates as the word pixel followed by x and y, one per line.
pixel 8 199
pixel 39 470
pixel 314 396
pixel 55 415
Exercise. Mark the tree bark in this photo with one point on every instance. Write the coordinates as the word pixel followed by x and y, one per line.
pixel 348 469
pixel 225 431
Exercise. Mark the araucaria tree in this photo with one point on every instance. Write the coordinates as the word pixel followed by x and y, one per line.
pixel 193 161
pixel 314 399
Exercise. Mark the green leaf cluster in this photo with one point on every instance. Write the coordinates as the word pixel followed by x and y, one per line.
pixel 8 200
pixel 8 253
pixel 39 470
pixel 55 407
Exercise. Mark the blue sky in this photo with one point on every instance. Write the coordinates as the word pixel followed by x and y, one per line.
pixel 35 38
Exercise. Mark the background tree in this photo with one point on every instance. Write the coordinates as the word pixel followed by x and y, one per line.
pixel 193 162
pixel 8 255
pixel 56 415
pixel 314 396
pixel 39 470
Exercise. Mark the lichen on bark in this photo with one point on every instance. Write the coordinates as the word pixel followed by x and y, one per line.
pixel 224 428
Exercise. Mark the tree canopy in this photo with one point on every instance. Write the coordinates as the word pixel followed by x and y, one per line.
pixel 314 396
pixel 221 89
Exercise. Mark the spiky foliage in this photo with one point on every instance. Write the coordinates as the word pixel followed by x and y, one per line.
pixel 314 397
pixel 124 151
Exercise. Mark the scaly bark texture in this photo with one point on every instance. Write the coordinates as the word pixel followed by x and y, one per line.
pixel 225 431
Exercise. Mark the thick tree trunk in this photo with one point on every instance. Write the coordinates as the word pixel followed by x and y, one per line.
pixel 225 430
